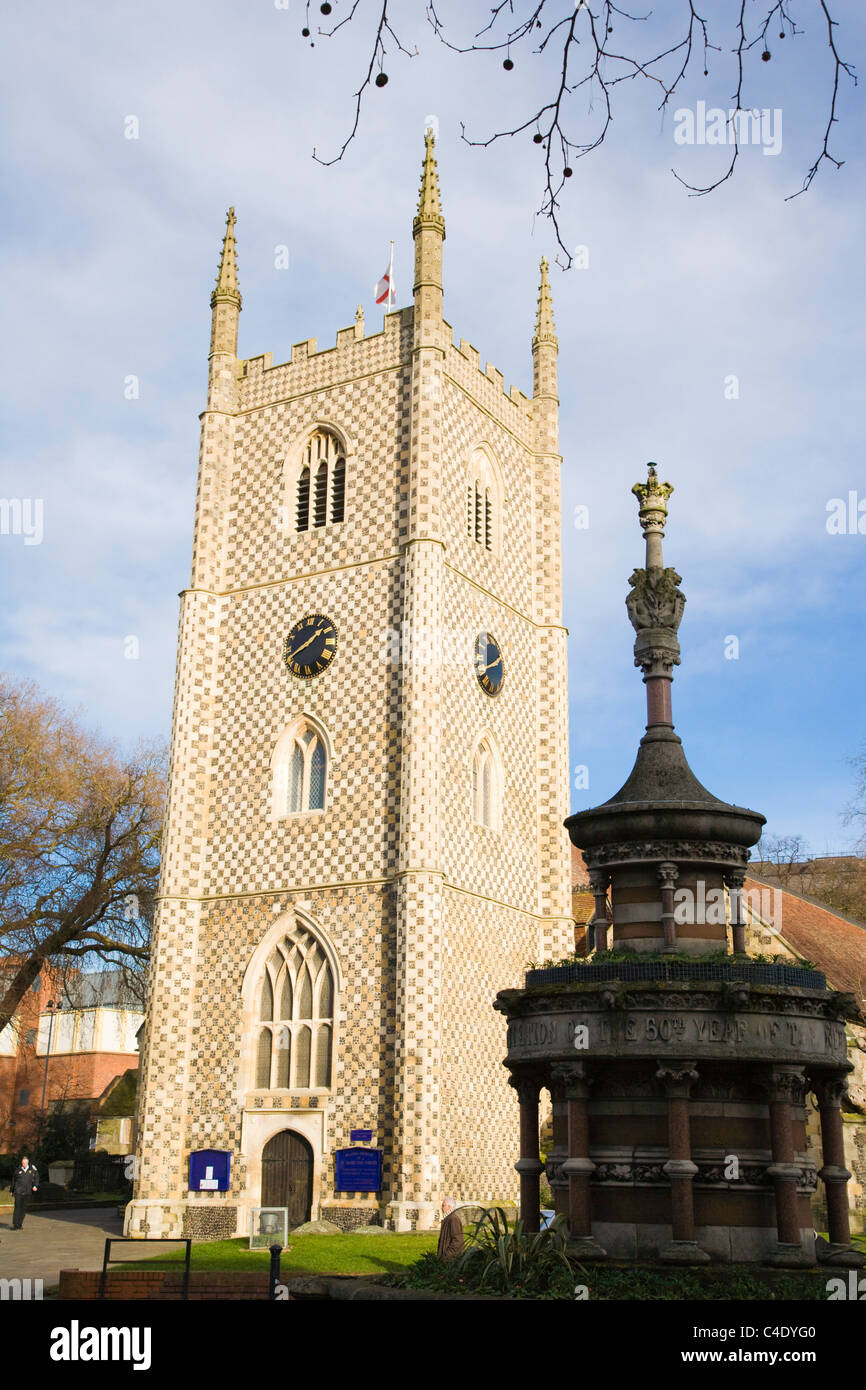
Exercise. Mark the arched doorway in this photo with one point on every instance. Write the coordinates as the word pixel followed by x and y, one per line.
pixel 287 1175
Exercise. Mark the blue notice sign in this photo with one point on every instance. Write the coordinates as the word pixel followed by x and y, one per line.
pixel 361 1136
pixel 209 1170
pixel 358 1170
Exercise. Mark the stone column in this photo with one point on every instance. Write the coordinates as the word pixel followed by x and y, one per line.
pixel 667 877
pixel 599 881
pixel 578 1167
pixel 557 1181
pixel 677 1080
pixel 735 878
pixel 829 1089
pixel 527 1084
pixel 785 1087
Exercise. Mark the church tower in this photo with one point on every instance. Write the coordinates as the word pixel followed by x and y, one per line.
pixel 369 770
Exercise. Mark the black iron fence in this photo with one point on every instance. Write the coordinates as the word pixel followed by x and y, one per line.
pixel 103 1173
pixel 755 973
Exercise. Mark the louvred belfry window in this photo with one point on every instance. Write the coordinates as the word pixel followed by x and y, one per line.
pixel 482 501
pixel 321 488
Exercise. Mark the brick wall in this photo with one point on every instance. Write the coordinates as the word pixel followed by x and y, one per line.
pixel 126 1285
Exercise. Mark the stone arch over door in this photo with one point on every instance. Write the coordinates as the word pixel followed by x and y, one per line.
pixel 287 1175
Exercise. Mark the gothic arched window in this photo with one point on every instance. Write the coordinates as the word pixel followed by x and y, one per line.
pixel 321 487
pixel 486 785
pixel 296 1017
pixel 482 501
pixel 300 769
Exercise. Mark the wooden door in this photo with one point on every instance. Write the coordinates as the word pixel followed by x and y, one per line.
pixel 287 1175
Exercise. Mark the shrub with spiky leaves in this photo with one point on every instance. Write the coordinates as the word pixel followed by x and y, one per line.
pixel 500 1257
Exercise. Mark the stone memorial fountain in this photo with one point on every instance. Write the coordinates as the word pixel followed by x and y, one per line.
pixel 678 1067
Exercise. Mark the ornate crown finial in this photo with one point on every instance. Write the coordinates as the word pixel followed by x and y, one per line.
pixel 653 499
pixel 655 604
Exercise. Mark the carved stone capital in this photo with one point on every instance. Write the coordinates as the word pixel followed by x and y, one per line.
pixel 830 1089
pixel 527 1084
pixel 783 1085
pixel 573 1077
pixel 599 881
pixel 667 874
pixel 677 1078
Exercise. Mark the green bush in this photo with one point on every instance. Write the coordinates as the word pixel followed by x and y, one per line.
pixel 500 1257
pixel 638 1283
pixel 67 1131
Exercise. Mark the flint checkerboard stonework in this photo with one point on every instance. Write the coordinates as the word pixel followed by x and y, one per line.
pixel 424 914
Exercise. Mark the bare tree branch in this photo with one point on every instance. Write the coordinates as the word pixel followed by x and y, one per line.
pixel 377 57
pixel 582 35
pixel 79 844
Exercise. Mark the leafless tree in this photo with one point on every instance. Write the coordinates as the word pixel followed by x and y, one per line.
pixel 855 811
pixel 79 844
pixel 590 49
pixel 782 855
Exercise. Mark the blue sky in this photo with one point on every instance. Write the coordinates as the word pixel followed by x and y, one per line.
pixel 110 248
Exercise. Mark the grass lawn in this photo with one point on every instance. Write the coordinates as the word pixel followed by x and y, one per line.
pixel 331 1254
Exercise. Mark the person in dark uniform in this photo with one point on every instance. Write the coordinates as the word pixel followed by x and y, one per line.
pixel 25 1181
pixel 450 1232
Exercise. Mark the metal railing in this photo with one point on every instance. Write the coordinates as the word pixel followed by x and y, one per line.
pixel 128 1240
pixel 753 973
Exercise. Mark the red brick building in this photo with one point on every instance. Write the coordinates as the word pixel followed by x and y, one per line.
pixel 70 1040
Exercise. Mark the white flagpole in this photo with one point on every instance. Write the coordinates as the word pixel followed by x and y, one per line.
pixel 391 295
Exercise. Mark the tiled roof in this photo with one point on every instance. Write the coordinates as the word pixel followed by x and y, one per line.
pixel 579 871
pixel 101 988
pixel 582 906
pixel 836 944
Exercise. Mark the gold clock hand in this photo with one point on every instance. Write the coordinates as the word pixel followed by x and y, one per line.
pixel 297 652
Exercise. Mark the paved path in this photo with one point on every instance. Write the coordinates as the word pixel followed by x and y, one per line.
pixel 57 1240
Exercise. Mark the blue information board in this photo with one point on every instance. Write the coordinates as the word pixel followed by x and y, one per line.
pixel 209 1170
pixel 361 1136
pixel 358 1170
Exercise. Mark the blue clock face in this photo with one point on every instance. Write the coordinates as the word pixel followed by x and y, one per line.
pixel 489 666
pixel 310 646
